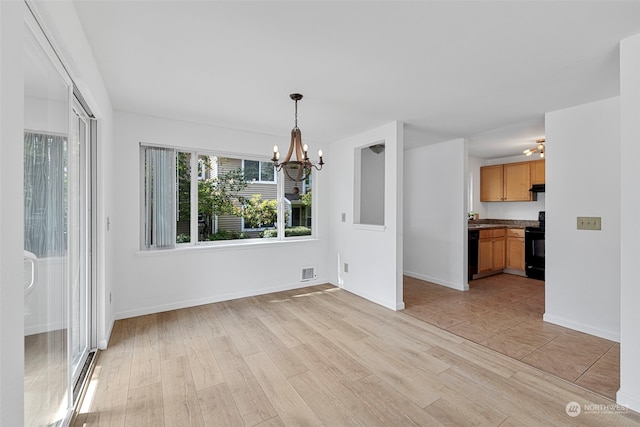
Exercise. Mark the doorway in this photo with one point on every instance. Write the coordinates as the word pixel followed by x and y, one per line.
pixel 57 185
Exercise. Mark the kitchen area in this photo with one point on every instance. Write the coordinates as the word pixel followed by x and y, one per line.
pixel 507 236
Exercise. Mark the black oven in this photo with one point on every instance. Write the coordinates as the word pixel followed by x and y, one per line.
pixel 534 249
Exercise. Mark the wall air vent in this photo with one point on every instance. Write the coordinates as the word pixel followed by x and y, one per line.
pixel 308 273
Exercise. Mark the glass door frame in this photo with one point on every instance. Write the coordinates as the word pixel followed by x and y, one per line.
pixel 87 242
pixel 77 108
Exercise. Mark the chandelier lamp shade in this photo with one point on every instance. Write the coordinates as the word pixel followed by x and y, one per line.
pixel 299 169
pixel 537 149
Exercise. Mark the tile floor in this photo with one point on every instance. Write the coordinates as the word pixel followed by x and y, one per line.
pixel 504 313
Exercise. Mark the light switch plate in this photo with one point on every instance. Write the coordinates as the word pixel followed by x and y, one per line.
pixel 589 223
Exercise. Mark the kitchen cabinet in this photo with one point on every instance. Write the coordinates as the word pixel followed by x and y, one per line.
pixel 506 182
pixel 537 172
pixel 491 183
pixel 515 249
pixel 491 250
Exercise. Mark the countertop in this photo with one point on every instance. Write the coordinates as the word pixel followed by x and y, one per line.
pixel 483 226
pixel 480 224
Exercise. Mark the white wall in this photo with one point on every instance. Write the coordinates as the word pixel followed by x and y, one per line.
pixel 152 281
pixel 11 219
pixel 435 214
pixel 373 253
pixel 582 269
pixel 629 393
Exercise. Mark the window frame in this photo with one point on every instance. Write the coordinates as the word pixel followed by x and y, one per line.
pixel 260 162
pixel 279 181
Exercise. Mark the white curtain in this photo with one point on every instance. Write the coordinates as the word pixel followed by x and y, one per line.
pixel 160 197
pixel 45 194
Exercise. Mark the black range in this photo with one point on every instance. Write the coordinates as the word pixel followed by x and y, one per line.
pixel 534 249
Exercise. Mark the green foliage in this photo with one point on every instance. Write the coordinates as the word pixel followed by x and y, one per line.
pixel 259 213
pixel 216 196
pixel 306 198
pixel 288 232
pixel 184 186
pixel 183 238
pixel 297 231
pixel 229 235
pixel 220 195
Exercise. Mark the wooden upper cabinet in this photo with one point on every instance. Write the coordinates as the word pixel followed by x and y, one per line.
pixel 506 182
pixel 491 183
pixel 537 172
pixel 517 181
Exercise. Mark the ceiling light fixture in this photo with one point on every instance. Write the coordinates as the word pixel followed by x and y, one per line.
pixel 537 149
pixel 299 169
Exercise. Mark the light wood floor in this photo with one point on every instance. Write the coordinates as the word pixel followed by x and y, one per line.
pixel 504 313
pixel 45 377
pixel 318 356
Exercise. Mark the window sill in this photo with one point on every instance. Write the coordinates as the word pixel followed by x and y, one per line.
pixel 226 246
pixel 370 227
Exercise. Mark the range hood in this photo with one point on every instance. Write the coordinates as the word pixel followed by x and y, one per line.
pixel 537 188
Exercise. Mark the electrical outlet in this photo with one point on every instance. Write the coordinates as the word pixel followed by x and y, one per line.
pixel 343 217
pixel 346 267
pixel 589 223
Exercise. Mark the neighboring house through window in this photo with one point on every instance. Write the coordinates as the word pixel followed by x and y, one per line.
pixel 259 171
pixel 193 197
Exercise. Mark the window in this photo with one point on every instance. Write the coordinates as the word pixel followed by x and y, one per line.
pixel 259 171
pixel 298 207
pixel 193 197
pixel 159 197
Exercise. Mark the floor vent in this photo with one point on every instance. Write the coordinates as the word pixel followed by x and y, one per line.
pixel 308 273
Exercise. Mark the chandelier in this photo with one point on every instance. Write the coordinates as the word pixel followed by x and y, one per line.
pixel 299 169
pixel 537 149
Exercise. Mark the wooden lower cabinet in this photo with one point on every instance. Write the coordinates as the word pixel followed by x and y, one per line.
pixel 491 250
pixel 515 249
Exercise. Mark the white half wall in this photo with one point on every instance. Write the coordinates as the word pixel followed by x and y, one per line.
pixel 582 271
pixel 629 393
pixel 153 281
pixel 373 253
pixel 435 214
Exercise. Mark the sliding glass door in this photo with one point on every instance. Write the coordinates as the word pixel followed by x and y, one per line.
pixel 57 235
pixel 79 247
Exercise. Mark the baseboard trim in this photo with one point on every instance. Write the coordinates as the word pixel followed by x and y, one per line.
pixel 628 400
pixel 426 278
pixel 581 327
pixel 215 298
pixel 392 305
pixel 104 342
pixel 43 328
pixel 514 272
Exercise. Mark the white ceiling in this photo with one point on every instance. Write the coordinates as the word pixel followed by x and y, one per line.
pixel 483 70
